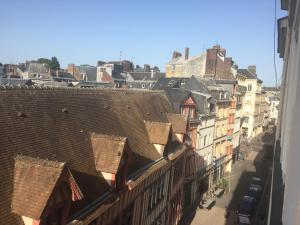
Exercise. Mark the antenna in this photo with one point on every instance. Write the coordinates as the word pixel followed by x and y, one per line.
pixel 120 55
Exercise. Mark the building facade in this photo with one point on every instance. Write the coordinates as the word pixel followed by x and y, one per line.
pixel 212 63
pixel 251 110
pixel 285 188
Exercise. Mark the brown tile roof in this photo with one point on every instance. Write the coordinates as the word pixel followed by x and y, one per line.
pixel 179 122
pixel 108 151
pixel 32 176
pixel 158 132
pixel 56 124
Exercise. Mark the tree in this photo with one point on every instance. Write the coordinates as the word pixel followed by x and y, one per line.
pixel 1 64
pixel 53 63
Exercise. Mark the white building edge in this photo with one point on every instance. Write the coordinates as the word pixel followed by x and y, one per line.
pixel 285 188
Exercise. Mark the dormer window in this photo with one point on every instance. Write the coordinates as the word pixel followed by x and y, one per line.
pixel 179 125
pixel 49 185
pixel 158 134
pixel 112 157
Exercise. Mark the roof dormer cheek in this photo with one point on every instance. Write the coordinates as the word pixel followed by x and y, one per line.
pixel 41 189
pixel 158 134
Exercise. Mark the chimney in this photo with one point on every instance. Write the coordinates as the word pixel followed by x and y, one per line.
pixel 176 55
pixel 71 69
pixel 223 51
pixel 186 53
pixel 252 69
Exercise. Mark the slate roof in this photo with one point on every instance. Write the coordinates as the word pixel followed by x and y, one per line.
pixel 89 71
pixel 56 124
pixel 199 84
pixel 146 75
pixel 247 74
pixel 177 96
pixel 201 103
pixel 108 151
pixel 173 82
pixel 32 176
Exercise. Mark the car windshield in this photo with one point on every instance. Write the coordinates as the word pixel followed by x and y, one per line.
pixel 252 193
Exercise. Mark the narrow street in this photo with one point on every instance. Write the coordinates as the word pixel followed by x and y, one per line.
pixel 257 163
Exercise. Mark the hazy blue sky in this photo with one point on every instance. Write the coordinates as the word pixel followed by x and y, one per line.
pixel 146 31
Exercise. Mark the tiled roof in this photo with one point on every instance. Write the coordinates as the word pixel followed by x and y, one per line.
pixel 32 176
pixel 158 132
pixel 108 151
pixel 56 124
pixel 179 122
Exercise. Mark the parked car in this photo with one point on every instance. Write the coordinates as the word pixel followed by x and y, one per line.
pixel 257 183
pixel 246 210
pixel 254 193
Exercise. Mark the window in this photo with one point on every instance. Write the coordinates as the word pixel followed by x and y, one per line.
pixel 156 193
pixel 249 87
pixel 143 85
pixel 201 142
pixel 204 142
pixel 246 119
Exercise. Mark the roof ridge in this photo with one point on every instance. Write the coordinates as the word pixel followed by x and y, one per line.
pixel 148 121
pixel 111 136
pixel 40 161
pixel 100 89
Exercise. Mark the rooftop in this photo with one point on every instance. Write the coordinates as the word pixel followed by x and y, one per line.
pixel 52 124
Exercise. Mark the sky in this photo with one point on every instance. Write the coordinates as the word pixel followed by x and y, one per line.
pixel 145 31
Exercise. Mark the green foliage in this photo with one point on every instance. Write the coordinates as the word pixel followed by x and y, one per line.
pixel 222 183
pixel 53 63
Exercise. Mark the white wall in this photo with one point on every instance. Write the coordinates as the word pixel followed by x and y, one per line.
pixel 289 125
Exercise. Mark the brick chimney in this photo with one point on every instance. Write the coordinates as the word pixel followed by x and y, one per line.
pixel 252 69
pixel 71 69
pixel 186 53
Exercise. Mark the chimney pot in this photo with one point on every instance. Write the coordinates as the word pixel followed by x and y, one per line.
pixel 186 53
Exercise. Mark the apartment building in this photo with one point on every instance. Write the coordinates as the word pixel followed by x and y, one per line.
pixel 251 110
pixel 186 66
pixel 222 144
pixel 212 63
pixel 285 188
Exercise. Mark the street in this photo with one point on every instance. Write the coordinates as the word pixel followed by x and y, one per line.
pixel 257 163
